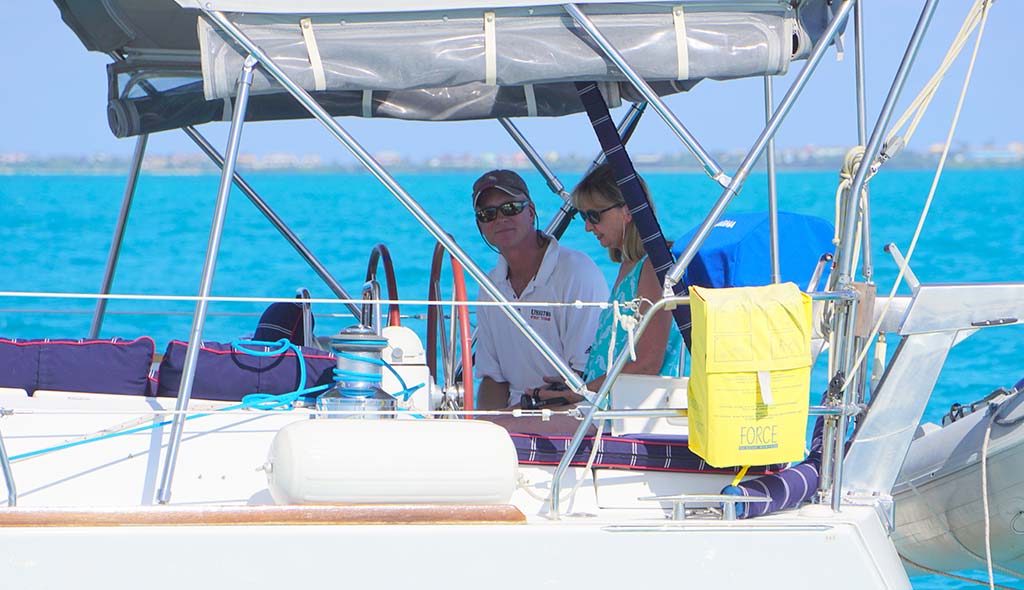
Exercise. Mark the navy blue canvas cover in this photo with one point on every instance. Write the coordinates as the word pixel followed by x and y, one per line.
pixel 223 373
pixel 94 366
pixel 737 254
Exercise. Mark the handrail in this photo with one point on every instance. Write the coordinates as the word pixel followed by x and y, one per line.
pixel 849 410
pixel 380 252
pixel 666 303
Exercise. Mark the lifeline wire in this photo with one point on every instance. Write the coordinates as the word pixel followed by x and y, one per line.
pixel 578 304
pixel 931 192
pixel 258 401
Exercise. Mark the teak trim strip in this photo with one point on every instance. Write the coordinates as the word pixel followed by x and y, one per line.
pixel 354 514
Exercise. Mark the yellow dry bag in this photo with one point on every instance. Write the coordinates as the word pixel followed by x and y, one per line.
pixel 750 374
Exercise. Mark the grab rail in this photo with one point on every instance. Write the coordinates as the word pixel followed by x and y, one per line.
pixel 666 303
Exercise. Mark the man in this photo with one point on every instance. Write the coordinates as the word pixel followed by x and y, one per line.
pixel 532 267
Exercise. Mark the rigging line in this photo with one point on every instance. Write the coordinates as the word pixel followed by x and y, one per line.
pixel 587 468
pixel 931 194
pixel 922 101
pixel 984 497
pixel 515 413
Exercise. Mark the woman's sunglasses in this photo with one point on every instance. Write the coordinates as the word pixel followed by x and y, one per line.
pixel 594 215
pixel 509 209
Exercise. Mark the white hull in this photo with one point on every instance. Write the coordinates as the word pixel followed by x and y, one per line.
pixel 791 552
pixel 87 510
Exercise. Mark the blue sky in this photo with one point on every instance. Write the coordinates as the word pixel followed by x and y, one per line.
pixel 55 101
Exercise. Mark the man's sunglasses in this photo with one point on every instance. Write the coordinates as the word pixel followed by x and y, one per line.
pixel 509 209
pixel 594 215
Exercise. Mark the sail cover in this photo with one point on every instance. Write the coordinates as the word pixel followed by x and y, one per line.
pixel 447 60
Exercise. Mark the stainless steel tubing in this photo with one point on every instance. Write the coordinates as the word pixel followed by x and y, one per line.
pixel 5 466
pixel 862 133
pixel 274 220
pixel 675 274
pixel 613 374
pixel 211 152
pixel 625 128
pixel 598 401
pixel 773 202
pixel 845 317
pixel 538 162
pixel 571 378
pixel 206 284
pixel 852 410
pixel 846 254
pixel 711 167
pixel 119 228
pixel 843 422
pixel 858 34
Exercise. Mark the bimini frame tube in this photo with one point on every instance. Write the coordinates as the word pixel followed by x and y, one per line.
pixel 864 373
pixel 626 127
pixel 211 152
pixel 119 228
pixel 847 255
pixel 675 274
pixel 199 320
pixel 275 220
pixel 862 132
pixel 538 162
pixel 773 200
pixel 556 227
pixel 571 378
pixel 711 167
pixel 845 315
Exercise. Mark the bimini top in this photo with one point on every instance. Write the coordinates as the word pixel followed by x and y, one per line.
pixel 425 60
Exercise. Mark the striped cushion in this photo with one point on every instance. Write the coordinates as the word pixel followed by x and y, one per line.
pixel 653 452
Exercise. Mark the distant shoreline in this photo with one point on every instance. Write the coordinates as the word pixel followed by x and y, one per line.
pixel 346 171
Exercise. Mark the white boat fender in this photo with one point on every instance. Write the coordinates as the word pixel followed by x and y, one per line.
pixel 392 461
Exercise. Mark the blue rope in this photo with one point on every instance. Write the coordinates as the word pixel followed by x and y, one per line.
pixel 256 401
pixel 266 402
pixel 269 402
pixel 342 374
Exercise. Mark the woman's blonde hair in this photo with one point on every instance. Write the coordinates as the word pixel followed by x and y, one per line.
pixel 599 190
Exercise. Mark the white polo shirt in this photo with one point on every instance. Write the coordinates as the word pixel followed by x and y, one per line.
pixel 503 352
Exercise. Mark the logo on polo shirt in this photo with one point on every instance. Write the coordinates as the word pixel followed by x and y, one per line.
pixel 540 314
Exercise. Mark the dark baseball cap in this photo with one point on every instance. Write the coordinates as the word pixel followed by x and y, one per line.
pixel 506 181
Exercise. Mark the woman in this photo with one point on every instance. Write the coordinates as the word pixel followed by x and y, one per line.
pixel 603 208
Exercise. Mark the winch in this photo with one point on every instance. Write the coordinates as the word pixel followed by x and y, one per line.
pixel 357 375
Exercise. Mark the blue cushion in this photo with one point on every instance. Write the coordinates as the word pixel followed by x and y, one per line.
pixel 223 373
pixel 95 366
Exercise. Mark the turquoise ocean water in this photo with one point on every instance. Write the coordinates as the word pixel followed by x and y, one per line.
pixel 56 231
